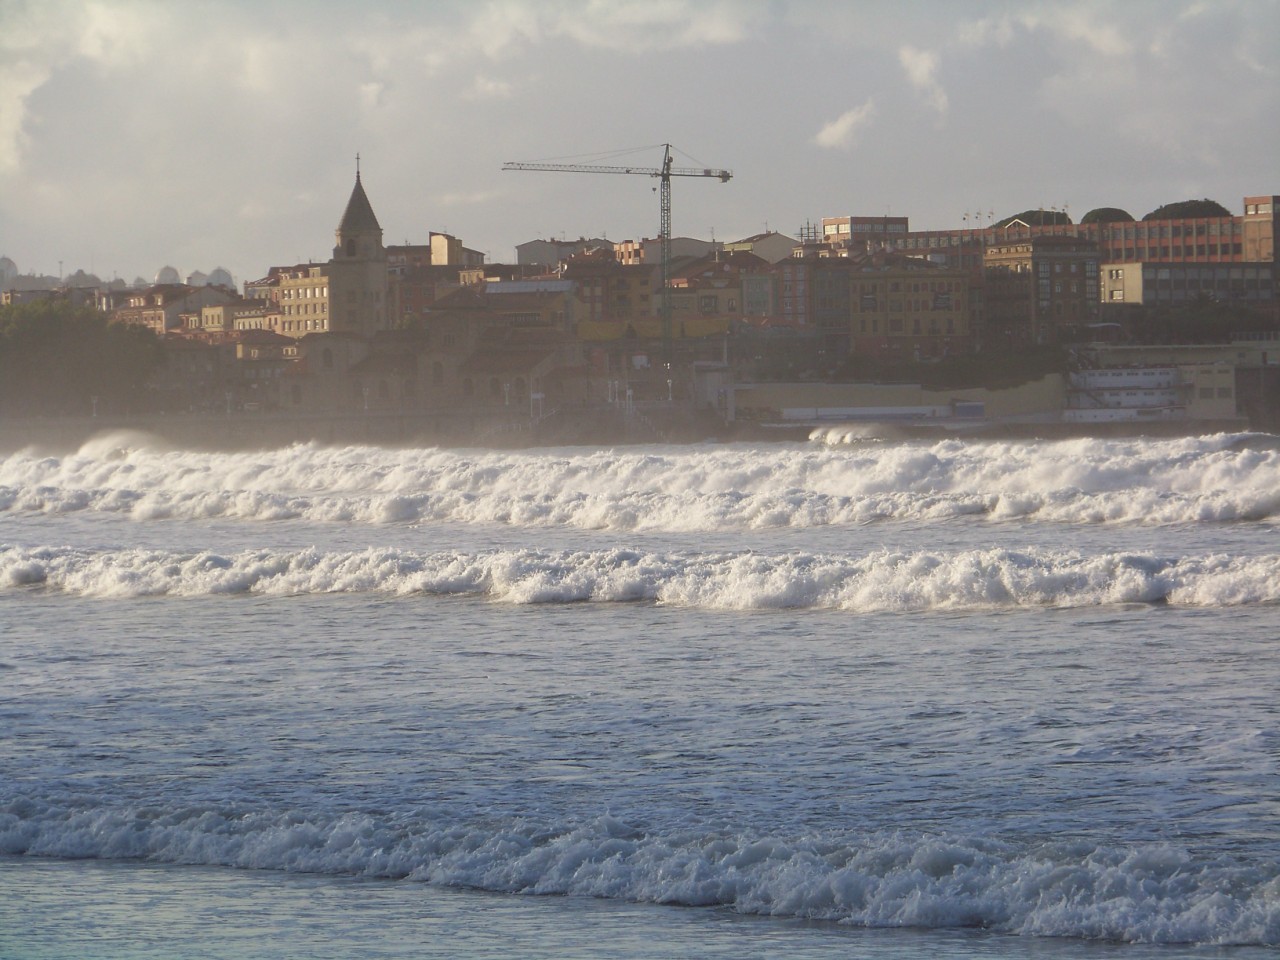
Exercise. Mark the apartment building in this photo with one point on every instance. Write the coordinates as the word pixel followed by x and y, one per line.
pixel 1039 288
pixel 908 308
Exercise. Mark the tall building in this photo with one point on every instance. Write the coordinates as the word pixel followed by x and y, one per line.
pixel 1037 288
pixel 348 294
pixel 358 271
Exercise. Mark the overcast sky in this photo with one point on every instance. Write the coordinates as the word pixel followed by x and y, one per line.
pixel 135 135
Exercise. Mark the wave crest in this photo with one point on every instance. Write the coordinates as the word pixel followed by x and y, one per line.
pixel 880 581
pixel 1155 894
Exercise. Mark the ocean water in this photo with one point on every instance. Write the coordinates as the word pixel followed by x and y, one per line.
pixel 836 698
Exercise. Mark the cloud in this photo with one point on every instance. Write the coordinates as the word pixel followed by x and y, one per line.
pixel 922 67
pixel 1082 23
pixel 1090 24
pixel 466 199
pixel 655 24
pixel 39 39
pixel 489 88
pixel 841 131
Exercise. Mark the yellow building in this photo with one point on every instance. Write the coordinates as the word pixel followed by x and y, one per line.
pixel 349 294
pixel 908 308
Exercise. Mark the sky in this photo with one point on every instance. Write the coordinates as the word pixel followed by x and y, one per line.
pixel 136 134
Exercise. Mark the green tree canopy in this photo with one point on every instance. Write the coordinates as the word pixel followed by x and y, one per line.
pixel 1036 218
pixel 1106 215
pixel 55 358
pixel 1185 209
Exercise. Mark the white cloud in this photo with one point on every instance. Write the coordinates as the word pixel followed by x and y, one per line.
pixel 371 95
pixel 130 127
pixel 1100 27
pixel 1083 23
pixel 466 199
pixel 842 131
pixel 655 24
pixel 922 68
pixel 990 30
pixel 490 88
pixel 38 39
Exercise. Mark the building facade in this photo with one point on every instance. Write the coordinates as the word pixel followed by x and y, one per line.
pixel 357 274
pixel 1040 290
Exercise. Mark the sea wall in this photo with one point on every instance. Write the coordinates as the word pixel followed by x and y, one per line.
pixel 1040 400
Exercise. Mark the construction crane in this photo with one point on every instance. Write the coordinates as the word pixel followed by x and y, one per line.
pixel 664 175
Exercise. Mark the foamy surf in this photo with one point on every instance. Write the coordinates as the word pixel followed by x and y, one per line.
pixel 883 580
pixel 1193 480
pixel 1151 894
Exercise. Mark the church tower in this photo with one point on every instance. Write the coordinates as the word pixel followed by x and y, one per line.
pixel 358 270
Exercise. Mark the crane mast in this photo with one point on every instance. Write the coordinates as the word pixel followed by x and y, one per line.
pixel 664 175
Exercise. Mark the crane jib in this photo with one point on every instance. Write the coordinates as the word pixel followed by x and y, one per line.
pixel 664 174
pixel 722 175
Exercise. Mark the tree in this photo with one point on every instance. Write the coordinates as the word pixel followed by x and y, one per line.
pixel 1036 218
pixel 55 358
pixel 1186 209
pixel 1106 215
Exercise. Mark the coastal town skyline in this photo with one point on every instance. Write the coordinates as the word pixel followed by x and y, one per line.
pixel 920 110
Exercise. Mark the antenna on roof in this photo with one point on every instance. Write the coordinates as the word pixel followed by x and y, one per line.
pixel 357 166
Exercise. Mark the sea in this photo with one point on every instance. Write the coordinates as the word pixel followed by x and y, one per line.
pixel 841 697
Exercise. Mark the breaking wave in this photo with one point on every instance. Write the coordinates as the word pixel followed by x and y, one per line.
pixel 884 580
pixel 1152 893
pixel 1207 479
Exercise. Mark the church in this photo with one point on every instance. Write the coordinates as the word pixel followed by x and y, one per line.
pixel 349 294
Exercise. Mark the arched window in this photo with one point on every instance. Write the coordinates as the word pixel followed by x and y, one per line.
pixel 521 390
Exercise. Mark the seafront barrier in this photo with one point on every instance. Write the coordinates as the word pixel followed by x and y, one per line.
pixel 602 426
pixel 760 412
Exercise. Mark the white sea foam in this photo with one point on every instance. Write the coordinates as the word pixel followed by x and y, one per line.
pixel 1152 893
pixel 881 580
pixel 698 488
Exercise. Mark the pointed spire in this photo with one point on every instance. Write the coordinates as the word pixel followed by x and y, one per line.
pixel 359 216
